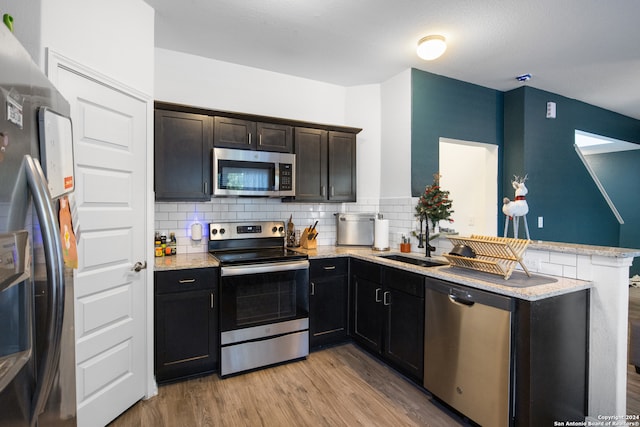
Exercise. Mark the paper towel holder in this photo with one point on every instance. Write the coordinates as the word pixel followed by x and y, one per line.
pixel 380 243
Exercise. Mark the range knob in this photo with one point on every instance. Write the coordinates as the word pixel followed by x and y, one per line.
pixel 214 231
pixel 274 229
pixel 281 229
pixel 222 231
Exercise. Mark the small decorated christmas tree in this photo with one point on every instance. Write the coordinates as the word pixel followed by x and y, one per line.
pixel 434 203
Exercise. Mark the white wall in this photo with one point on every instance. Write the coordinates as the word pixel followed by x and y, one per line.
pixel 395 166
pixel 114 38
pixel 363 107
pixel 198 81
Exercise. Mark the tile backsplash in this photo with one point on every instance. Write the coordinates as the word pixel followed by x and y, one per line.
pixel 178 217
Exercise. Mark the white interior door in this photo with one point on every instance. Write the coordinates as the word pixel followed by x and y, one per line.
pixel 110 139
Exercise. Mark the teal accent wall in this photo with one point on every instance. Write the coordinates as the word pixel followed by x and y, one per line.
pixel 560 188
pixel 444 107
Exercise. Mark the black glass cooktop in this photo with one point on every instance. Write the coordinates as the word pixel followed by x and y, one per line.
pixel 256 256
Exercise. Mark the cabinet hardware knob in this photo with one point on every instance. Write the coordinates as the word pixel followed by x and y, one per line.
pixel 378 295
pixel 212 302
pixel 313 288
pixel 249 138
pixel 329 267
pixel 385 297
pixel 183 281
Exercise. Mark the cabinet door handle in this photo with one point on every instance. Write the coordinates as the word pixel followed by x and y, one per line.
pixel 329 267
pixel 260 139
pixel 205 187
pixel 249 138
pixel 332 191
pixel 184 281
pixel 378 295
pixel 212 300
pixel 323 191
pixel 313 288
pixel 385 297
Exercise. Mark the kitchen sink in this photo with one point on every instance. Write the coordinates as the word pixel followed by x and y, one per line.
pixel 411 260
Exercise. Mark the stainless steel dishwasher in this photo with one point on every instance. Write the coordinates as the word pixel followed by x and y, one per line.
pixel 467 350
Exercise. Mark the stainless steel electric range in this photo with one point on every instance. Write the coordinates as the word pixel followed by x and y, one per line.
pixel 264 295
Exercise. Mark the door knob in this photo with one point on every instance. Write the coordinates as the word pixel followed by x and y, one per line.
pixel 139 266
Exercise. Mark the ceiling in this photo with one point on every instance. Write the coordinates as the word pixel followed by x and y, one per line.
pixel 583 49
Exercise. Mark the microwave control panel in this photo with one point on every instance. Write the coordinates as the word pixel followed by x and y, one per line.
pixel 286 176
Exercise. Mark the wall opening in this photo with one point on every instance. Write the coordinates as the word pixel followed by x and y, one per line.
pixel 593 151
pixel 469 171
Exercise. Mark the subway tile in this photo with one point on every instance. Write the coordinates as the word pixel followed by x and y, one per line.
pixel 552 269
pixel 166 207
pixel 177 216
pixel 584 268
pixel 569 271
pixel 563 259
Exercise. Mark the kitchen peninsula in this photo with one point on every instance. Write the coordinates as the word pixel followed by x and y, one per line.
pixel 603 270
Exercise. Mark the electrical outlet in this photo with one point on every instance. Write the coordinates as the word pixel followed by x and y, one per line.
pixel 540 222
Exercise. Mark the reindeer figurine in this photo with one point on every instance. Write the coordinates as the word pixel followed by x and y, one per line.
pixel 517 208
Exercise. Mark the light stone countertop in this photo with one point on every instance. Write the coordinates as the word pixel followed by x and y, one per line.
pixel 492 283
pixel 579 249
pixel 183 261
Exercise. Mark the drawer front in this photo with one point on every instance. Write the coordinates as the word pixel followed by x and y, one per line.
pixel 404 281
pixel 191 279
pixel 328 267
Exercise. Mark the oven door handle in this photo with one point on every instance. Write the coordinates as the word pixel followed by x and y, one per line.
pixel 272 267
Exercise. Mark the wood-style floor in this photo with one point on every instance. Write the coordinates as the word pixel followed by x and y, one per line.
pixel 339 386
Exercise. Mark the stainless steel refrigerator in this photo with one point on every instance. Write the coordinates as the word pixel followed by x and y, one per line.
pixel 37 350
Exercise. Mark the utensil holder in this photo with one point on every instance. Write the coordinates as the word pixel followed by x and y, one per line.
pixel 308 239
pixel 405 247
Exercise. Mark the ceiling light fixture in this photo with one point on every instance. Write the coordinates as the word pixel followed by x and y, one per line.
pixel 431 47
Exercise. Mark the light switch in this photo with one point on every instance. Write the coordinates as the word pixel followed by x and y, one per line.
pixel 540 222
pixel 551 111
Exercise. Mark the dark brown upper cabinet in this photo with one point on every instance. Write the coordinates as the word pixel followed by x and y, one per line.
pixel 183 143
pixel 248 135
pixel 325 165
pixel 342 167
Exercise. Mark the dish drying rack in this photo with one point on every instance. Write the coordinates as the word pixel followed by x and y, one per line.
pixel 495 255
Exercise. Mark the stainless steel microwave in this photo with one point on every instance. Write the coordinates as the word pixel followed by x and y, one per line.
pixel 253 173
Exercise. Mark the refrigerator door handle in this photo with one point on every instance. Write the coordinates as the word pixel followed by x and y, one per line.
pixel 44 207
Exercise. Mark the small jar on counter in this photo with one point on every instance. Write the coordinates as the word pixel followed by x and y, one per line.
pixel 158 248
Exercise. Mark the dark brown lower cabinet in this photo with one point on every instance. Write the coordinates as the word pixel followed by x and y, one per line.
pixel 186 323
pixel 551 359
pixel 329 282
pixel 388 315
